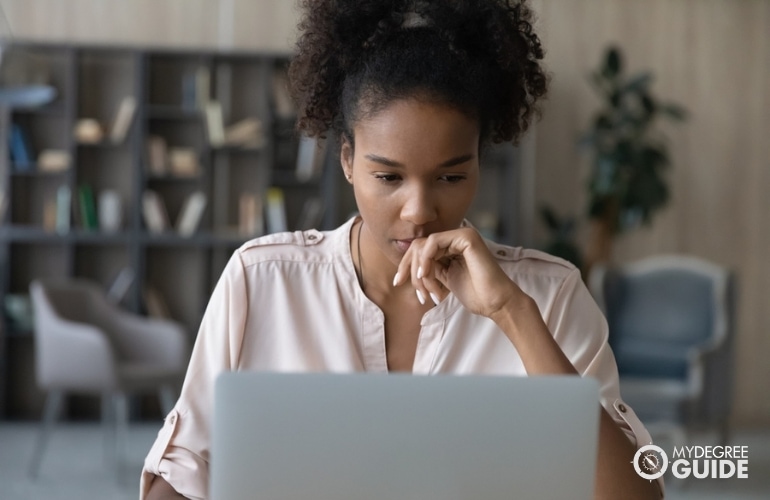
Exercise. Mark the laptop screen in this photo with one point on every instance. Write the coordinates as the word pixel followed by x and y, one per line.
pixel 376 437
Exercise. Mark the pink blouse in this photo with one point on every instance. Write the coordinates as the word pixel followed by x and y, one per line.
pixel 290 302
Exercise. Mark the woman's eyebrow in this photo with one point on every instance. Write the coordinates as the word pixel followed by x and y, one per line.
pixel 458 160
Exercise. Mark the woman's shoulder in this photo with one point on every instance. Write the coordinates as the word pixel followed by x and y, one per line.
pixel 309 245
pixel 529 261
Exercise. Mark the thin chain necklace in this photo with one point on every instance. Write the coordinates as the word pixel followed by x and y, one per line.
pixel 360 270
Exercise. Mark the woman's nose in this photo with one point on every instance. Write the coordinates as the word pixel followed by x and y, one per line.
pixel 418 206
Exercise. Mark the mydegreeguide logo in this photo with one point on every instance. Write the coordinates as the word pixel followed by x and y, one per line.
pixel 715 462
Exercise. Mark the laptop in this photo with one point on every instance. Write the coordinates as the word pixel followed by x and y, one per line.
pixel 403 437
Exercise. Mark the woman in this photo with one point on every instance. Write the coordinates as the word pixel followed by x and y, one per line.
pixel 414 91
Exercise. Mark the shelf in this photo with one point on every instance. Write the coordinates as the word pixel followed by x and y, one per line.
pixel 288 178
pixel 167 85
pixel 174 178
pixel 238 149
pixel 202 238
pixel 20 333
pixel 32 234
pixel 55 109
pixel 162 112
pixel 106 144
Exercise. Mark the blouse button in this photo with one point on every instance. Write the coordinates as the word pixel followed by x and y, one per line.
pixel 622 408
pixel 311 237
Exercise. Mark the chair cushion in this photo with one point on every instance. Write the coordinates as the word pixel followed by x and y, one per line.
pixel 143 377
pixel 638 357
pixel 673 307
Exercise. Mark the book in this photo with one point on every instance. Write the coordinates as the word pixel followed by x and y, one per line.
pixel 214 123
pixel 202 86
pixel 88 131
pixel 3 206
pixel 20 149
pixel 120 285
pixel 183 162
pixel 250 215
pixel 284 104
pixel 310 158
pixel 247 133
pixel 88 217
pixel 310 216
pixel 63 209
pixel 155 303
pixel 123 119
pixel 49 215
pixel 154 212
pixel 110 211
pixel 191 214
pixel 276 211
pixel 54 160
pixel 157 155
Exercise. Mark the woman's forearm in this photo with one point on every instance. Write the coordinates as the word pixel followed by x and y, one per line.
pixel 161 490
pixel 541 355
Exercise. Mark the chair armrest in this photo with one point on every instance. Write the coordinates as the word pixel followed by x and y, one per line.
pixel 74 356
pixel 711 374
pixel 150 340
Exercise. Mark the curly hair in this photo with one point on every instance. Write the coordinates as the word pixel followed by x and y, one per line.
pixel 354 57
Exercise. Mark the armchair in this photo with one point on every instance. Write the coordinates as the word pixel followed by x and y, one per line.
pixel 85 344
pixel 671 329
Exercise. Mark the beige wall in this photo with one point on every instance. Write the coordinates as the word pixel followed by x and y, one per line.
pixel 263 24
pixel 713 56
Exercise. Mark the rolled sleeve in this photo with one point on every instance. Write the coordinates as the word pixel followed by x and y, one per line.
pixel 180 453
pixel 581 330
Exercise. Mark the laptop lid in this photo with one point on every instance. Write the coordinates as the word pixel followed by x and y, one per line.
pixel 402 437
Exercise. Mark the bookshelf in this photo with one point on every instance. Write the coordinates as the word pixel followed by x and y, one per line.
pixel 222 136
pixel 175 144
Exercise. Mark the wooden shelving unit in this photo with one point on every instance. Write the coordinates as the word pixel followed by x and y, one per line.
pixel 170 89
pixel 91 82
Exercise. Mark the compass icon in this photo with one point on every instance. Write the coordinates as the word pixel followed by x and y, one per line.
pixel 650 462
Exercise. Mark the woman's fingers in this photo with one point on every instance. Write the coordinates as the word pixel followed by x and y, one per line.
pixel 427 260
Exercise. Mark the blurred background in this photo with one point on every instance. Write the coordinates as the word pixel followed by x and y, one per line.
pixel 652 148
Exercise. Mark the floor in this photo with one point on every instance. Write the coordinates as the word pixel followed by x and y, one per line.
pixel 74 466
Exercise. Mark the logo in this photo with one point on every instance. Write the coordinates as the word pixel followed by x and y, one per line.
pixel 650 462
pixel 716 462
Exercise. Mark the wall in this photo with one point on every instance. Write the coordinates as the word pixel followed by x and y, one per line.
pixel 264 24
pixel 713 56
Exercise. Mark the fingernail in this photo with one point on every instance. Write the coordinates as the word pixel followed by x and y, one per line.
pixel 395 279
pixel 434 298
pixel 420 297
pixel 419 273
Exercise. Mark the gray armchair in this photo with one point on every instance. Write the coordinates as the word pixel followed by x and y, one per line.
pixel 670 322
pixel 85 344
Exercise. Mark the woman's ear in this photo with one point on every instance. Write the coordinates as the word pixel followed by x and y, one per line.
pixel 346 159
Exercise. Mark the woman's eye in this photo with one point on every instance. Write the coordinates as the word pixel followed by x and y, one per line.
pixel 387 177
pixel 452 179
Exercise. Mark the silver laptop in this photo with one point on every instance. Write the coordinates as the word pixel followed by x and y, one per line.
pixel 403 437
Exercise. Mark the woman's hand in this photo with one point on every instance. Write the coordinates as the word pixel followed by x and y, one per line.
pixel 459 261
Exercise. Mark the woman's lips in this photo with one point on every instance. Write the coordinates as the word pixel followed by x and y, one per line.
pixel 403 245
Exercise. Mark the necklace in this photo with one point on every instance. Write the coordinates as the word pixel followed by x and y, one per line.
pixel 360 270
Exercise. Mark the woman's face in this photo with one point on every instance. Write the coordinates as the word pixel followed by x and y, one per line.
pixel 414 171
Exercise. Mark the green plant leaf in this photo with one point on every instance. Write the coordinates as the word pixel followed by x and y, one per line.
pixel 648 104
pixel 639 82
pixel 549 216
pixel 613 63
pixel 674 111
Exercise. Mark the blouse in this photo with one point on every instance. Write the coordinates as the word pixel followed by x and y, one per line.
pixel 291 302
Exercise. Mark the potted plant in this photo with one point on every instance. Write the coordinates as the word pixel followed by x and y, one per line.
pixel 627 184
